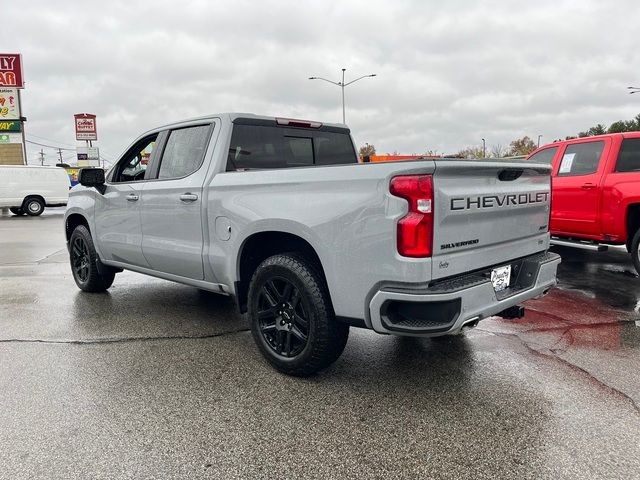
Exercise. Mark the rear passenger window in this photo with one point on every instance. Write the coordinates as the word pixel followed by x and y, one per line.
pixel 300 149
pixel 544 156
pixel 629 156
pixel 581 159
pixel 184 152
pixel 261 146
pixel 334 149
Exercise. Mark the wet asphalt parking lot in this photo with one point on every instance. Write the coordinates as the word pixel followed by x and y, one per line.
pixel 159 380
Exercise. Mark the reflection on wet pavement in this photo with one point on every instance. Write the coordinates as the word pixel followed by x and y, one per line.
pixel 590 321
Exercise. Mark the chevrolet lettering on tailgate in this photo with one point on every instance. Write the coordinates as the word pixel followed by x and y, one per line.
pixel 491 201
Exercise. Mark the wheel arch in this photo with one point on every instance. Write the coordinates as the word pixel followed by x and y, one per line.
pixel 72 221
pixel 632 222
pixel 262 245
pixel 34 195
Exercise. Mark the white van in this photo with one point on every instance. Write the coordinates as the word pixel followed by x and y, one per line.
pixel 28 189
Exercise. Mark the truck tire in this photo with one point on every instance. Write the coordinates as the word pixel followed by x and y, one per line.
pixel 33 206
pixel 16 211
pixel 291 316
pixel 635 251
pixel 84 263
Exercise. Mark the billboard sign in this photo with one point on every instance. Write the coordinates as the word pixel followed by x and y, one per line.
pixel 10 138
pixel 11 70
pixel 9 107
pixel 87 154
pixel 93 153
pixel 85 126
pixel 13 126
pixel 81 153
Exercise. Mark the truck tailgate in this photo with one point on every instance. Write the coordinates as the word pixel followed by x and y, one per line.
pixel 487 212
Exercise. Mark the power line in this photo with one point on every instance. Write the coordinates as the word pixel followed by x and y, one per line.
pixel 49 139
pixel 49 146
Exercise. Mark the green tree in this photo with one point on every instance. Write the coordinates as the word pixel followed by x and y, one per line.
pixel 522 146
pixel 597 130
pixel 367 150
pixel 625 125
pixel 618 127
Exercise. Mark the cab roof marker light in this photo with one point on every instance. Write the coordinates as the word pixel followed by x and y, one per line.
pixel 292 122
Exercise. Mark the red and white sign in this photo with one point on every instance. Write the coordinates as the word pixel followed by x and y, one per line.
pixel 11 70
pixel 86 126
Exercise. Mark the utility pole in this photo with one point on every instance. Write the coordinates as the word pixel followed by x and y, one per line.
pixel 539 137
pixel 41 157
pixel 60 154
pixel 484 148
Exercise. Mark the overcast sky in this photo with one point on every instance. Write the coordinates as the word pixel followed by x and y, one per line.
pixel 448 73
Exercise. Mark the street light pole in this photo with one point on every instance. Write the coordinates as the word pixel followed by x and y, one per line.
pixel 539 137
pixel 342 84
pixel 484 149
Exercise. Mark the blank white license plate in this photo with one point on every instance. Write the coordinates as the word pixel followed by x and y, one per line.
pixel 500 277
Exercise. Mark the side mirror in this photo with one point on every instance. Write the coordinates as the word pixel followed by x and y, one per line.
pixel 92 177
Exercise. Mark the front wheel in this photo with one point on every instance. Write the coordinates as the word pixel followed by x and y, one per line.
pixel 84 263
pixel 291 316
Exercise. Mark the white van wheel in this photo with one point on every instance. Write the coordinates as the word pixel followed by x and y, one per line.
pixel 33 206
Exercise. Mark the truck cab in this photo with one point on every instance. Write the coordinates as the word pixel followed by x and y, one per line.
pixel 596 191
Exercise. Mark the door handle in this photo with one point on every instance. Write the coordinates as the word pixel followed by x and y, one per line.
pixel 188 197
pixel 132 197
pixel 588 186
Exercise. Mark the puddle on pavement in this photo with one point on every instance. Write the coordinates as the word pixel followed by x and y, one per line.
pixel 596 306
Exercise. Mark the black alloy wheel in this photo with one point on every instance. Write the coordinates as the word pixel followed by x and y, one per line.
pixel 89 273
pixel 80 259
pixel 291 316
pixel 282 318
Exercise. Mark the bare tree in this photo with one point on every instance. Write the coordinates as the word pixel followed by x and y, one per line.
pixel 498 151
pixel 470 152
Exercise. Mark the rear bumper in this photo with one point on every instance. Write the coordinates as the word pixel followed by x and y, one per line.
pixel 445 307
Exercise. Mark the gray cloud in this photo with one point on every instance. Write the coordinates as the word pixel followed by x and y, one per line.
pixel 448 74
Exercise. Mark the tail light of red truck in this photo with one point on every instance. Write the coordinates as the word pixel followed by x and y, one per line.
pixel 415 229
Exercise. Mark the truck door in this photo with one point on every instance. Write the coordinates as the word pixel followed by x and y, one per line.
pixel 117 211
pixel 171 207
pixel 576 188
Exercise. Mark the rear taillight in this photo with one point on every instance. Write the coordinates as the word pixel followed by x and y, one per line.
pixel 415 229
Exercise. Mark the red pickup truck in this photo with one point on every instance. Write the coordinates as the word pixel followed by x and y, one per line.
pixel 595 191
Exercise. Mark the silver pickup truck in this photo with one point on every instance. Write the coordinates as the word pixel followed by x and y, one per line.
pixel 280 214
